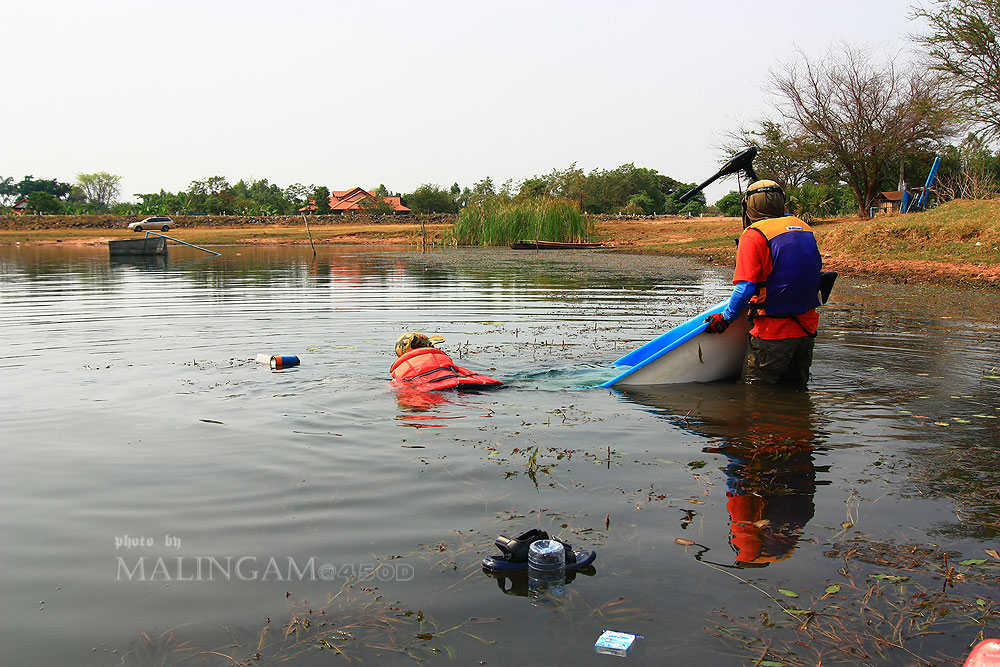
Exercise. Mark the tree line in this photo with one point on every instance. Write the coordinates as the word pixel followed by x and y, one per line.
pixel 628 190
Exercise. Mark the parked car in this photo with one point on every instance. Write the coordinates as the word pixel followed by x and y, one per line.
pixel 160 222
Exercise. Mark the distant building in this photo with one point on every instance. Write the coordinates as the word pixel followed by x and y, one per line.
pixel 348 200
pixel 887 202
pixel 20 205
pixel 310 206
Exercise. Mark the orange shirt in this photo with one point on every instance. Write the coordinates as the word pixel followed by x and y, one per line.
pixel 753 263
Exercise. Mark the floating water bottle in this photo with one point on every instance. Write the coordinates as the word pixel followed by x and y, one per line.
pixel 547 567
pixel 279 361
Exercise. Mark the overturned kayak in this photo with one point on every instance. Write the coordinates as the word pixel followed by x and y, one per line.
pixel 687 354
pixel 428 369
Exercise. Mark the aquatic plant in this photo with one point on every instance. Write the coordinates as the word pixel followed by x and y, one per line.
pixel 497 221
pixel 868 616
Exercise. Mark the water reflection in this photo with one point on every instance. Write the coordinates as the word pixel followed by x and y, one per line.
pixel 769 437
pixel 519 584
pixel 140 262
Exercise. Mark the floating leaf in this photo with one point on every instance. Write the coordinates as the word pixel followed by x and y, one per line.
pixel 798 611
pixel 972 561
pixel 831 589
pixel 424 635
pixel 770 663
pixel 684 542
pixel 846 525
pixel 960 420
pixel 993 552
pixel 942 424
pixel 889 577
pixel 787 593
pixel 695 465
pixel 495 452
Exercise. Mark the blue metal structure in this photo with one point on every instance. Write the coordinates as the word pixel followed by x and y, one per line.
pixel 922 202
pixel 217 254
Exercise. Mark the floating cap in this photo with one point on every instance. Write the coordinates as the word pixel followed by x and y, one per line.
pixel 415 340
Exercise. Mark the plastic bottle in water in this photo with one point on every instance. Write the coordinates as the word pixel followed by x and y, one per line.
pixel 547 567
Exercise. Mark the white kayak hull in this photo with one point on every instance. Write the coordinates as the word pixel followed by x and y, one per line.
pixel 687 354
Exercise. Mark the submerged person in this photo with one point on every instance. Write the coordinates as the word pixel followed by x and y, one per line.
pixel 778 278
pixel 422 367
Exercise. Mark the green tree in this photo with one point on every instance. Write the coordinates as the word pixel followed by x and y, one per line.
pixel 534 187
pixel 731 204
pixel 100 189
pixel 44 202
pixel 694 206
pixel 430 198
pixel 296 195
pixel 53 187
pixel 639 204
pixel 321 197
pixel 8 192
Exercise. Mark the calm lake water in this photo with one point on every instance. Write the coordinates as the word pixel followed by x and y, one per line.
pixel 327 514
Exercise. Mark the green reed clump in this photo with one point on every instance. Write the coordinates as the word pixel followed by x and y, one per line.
pixel 499 221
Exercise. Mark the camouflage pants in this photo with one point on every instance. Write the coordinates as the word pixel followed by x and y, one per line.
pixel 784 361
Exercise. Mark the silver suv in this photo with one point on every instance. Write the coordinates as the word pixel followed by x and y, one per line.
pixel 161 222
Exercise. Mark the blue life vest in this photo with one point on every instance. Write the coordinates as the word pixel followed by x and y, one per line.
pixel 792 287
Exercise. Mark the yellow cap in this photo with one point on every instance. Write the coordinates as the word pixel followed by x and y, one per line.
pixel 415 340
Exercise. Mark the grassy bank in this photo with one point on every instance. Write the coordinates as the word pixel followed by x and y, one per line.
pixel 959 240
pixel 959 231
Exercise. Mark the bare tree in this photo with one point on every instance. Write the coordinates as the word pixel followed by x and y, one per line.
pixel 100 188
pixel 862 114
pixel 964 46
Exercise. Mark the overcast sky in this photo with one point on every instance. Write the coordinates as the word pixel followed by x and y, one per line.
pixel 401 93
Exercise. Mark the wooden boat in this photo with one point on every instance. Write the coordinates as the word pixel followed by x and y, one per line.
pixel 553 245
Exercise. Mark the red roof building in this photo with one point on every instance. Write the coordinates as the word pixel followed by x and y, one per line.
pixel 348 200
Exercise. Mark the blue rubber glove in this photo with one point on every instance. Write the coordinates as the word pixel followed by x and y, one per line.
pixel 717 323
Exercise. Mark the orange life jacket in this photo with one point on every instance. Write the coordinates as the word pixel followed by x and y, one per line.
pixel 428 368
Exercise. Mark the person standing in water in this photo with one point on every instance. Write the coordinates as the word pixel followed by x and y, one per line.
pixel 778 278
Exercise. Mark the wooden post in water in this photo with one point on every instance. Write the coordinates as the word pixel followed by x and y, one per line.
pixel 308 231
pixel 423 235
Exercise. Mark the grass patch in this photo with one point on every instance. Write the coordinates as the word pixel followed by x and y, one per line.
pixel 498 222
pixel 949 232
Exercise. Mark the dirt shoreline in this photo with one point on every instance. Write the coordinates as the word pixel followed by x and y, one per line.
pixel 710 240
